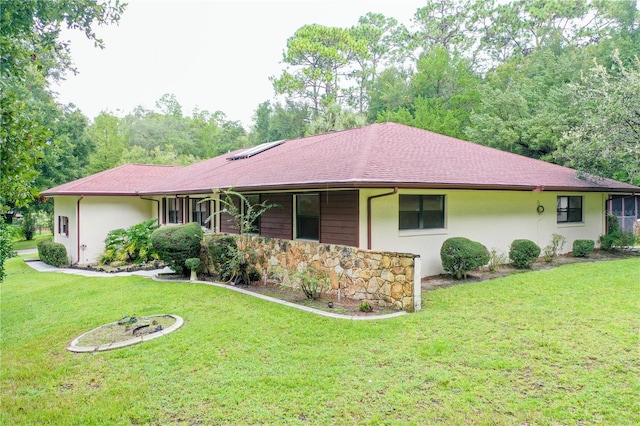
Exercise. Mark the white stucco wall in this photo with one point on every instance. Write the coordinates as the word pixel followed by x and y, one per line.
pixel 493 218
pixel 98 216
pixel 66 206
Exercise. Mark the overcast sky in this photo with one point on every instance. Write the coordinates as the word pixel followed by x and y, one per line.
pixel 212 54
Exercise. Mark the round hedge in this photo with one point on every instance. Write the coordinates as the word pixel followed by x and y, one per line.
pixel 176 244
pixel 460 255
pixel 523 253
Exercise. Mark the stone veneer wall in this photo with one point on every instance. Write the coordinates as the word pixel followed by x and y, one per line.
pixel 383 278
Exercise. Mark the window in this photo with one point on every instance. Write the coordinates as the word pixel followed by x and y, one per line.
pixel 308 216
pixel 63 225
pixel 174 210
pixel 569 209
pixel 199 211
pixel 421 212
pixel 253 201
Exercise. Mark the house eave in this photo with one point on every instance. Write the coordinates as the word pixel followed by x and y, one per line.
pixel 306 186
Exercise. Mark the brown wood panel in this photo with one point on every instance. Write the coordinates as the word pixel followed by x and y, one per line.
pixel 277 222
pixel 339 213
pixel 226 223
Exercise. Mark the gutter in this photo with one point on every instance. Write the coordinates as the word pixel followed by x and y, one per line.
pixel 395 191
pixel 158 204
pixel 78 226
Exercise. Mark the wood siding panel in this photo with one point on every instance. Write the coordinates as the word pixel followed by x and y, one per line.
pixel 339 212
pixel 226 221
pixel 277 222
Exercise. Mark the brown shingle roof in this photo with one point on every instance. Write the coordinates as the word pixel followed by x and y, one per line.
pixel 386 154
pixel 127 179
pixel 379 155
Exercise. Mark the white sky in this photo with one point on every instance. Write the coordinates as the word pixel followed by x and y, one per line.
pixel 212 54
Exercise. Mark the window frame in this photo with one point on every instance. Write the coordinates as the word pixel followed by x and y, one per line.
pixel 174 202
pixel 297 218
pixel 199 211
pixel 568 211
pixel 422 219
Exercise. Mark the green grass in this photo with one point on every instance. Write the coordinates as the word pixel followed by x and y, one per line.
pixel 551 347
pixel 24 245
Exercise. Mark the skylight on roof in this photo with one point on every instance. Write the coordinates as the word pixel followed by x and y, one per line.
pixel 256 150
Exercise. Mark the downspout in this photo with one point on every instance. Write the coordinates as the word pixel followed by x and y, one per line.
pixel 157 202
pixel 395 191
pixel 78 225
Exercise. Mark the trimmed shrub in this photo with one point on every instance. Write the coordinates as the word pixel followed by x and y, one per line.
pixel 224 255
pixel 583 248
pixel 523 253
pixel 460 255
pixel 54 254
pixel 176 244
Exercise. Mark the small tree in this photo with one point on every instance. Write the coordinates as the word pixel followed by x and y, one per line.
pixel 243 217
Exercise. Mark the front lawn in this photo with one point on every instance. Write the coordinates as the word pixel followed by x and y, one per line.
pixel 549 347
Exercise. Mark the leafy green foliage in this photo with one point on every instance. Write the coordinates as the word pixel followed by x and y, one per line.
pixel 550 251
pixel 53 253
pixel 365 307
pixel 460 255
pixel 243 216
pixel 6 251
pixel 28 225
pixel 132 245
pixel 176 244
pixel 583 248
pixel 224 255
pixel 311 281
pixel 33 55
pixel 523 253
pixel 615 236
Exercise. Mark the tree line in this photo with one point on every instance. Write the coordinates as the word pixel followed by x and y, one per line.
pixel 557 80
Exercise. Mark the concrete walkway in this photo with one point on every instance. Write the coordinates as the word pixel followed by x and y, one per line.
pixel 43 267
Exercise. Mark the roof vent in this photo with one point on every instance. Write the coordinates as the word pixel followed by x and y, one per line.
pixel 256 150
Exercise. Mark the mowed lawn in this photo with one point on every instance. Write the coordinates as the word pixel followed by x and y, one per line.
pixel 552 347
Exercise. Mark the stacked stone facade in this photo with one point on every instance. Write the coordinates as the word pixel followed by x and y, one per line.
pixel 382 278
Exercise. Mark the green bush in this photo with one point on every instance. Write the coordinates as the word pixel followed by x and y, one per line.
pixel 583 248
pixel 224 255
pixel 6 251
pixel 176 244
pixel 615 237
pixel 132 245
pixel 460 255
pixel 54 254
pixel 523 253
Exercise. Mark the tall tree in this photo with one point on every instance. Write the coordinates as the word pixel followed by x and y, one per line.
pixel 607 142
pixel 30 48
pixel 318 57
pixel 380 37
pixel 108 142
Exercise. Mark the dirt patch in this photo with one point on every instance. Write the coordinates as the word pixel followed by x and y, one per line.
pixel 445 280
pixel 326 302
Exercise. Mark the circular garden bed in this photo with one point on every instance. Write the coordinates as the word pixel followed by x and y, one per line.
pixel 125 332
